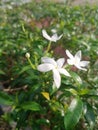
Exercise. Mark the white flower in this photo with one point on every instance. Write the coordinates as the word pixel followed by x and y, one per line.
pixel 76 60
pixel 52 38
pixel 56 67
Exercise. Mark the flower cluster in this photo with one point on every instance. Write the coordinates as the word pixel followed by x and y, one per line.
pixel 57 67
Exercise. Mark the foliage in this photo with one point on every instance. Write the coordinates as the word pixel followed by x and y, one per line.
pixel 30 93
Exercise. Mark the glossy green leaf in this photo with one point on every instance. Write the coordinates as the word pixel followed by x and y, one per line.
pixel 5 99
pixel 77 78
pixel 89 115
pixel 33 106
pixel 73 91
pixel 73 114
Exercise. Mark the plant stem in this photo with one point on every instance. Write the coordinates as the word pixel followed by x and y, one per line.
pixel 48 48
pixel 33 67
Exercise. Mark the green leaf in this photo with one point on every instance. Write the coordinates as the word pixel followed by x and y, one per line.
pixel 24 69
pixel 76 78
pixel 73 114
pixel 2 72
pixel 93 94
pixel 89 115
pixel 56 106
pixel 33 106
pixel 73 91
pixel 84 91
pixel 5 99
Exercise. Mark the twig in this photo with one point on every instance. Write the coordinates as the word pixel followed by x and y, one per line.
pixel 15 89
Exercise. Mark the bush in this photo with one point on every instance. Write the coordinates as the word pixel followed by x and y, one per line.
pixel 35 101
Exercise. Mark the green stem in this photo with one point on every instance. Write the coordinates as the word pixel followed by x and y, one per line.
pixel 33 67
pixel 48 48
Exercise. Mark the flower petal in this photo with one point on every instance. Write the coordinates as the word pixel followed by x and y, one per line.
pixel 45 67
pixel 69 54
pixel 57 78
pixel 60 36
pixel 54 37
pixel 60 62
pixel 49 60
pixel 78 56
pixel 45 35
pixel 84 63
pixel 70 62
pixel 64 72
pixel 81 68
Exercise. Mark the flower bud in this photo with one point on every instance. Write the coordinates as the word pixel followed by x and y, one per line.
pixel 27 55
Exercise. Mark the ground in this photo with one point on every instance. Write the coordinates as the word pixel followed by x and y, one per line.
pixel 79 2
